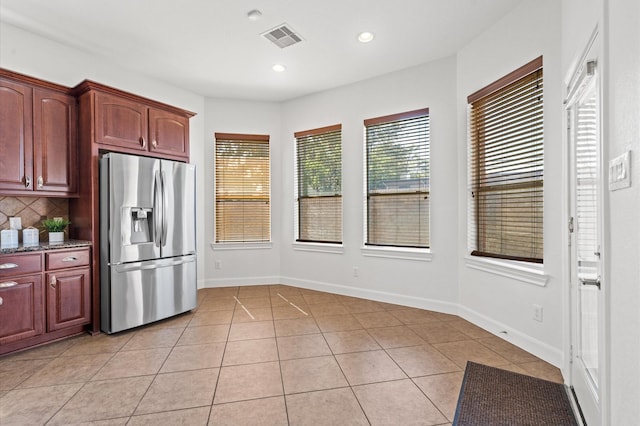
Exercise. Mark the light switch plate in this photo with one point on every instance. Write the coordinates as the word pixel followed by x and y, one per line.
pixel 620 172
pixel 15 223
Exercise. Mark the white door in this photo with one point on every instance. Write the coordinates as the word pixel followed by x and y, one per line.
pixel 585 204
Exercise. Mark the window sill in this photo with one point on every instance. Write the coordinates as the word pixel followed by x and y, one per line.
pixel 241 246
pixel 405 253
pixel 521 271
pixel 319 247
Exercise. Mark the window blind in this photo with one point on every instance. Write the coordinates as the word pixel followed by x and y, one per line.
pixel 506 166
pixel 397 179
pixel 319 184
pixel 586 160
pixel 242 188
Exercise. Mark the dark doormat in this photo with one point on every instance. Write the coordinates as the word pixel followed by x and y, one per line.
pixel 491 396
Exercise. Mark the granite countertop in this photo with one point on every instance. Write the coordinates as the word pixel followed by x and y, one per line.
pixel 45 245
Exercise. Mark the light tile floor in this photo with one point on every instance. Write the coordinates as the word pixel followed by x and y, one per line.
pixel 263 355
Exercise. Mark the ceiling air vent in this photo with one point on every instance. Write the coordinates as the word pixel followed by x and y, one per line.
pixel 282 36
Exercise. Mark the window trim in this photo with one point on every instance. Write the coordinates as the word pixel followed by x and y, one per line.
pixel 527 272
pixel 396 252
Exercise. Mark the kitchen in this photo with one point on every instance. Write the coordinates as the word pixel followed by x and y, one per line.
pixel 27 51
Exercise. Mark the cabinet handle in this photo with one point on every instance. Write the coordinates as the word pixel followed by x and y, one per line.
pixel 27 182
pixel 40 182
pixel 8 266
pixel 1 301
pixel 52 281
pixel 591 281
pixel 154 143
pixel 143 142
pixel 70 259
pixel 8 284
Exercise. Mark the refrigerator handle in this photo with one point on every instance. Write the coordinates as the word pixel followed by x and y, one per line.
pixel 157 215
pixel 165 199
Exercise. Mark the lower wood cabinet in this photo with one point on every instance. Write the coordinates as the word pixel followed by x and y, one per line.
pixel 21 308
pixel 68 298
pixel 43 296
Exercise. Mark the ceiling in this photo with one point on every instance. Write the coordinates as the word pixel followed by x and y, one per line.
pixel 210 47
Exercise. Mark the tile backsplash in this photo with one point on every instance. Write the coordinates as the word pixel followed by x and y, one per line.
pixel 32 210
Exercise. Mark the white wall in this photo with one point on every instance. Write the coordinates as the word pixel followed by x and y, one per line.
pixel 495 301
pixel 30 54
pixel 622 133
pixel 241 266
pixel 412 282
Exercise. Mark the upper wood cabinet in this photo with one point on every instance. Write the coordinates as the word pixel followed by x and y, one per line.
pixel 38 138
pixel 128 123
pixel 168 132
pixel 55 142
pixel 120 122
pixel 16 136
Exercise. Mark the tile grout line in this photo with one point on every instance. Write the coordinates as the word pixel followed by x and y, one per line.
pixel 133 412
pixel 275 337
pixel 215 389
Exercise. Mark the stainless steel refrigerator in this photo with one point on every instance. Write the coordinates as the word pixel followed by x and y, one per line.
pixel 147 240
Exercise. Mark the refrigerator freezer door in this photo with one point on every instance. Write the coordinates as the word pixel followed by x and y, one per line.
pixel 130 207
pixel 143 292
pixel 179 224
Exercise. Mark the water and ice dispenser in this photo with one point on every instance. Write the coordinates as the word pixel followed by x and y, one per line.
pixel 137 225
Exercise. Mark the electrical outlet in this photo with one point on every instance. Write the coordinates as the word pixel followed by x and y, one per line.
pixel 537 313
pixel 218 264
pixel 356 272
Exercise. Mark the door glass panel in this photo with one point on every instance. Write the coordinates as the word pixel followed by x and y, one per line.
pixel 587 246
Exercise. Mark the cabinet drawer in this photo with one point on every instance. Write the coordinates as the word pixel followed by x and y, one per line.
pixel 12 265
pixel 67 259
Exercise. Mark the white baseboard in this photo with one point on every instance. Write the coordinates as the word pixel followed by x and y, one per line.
pixel 380 296
pixel 540 349
pixel 536 347
pixel 241 281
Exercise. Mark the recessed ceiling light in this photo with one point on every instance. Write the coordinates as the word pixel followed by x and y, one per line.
pixel 365 37
pixel 254 15
pixel 278 68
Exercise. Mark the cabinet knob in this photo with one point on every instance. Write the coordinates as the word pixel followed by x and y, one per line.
pixel 53 281
pixel 27 182
pixel 8 284
pixel 40 182
pixel 143 142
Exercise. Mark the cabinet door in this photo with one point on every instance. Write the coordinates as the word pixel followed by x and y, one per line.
pixel 21 308
pixel 68 298
pixel 54 142
pixel 169 133
pixel 16 138
pixel 120 122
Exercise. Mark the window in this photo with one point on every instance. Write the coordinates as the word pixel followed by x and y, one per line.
pixel 506 166
pixel 397 155
pixel 319 184
pixel 242 188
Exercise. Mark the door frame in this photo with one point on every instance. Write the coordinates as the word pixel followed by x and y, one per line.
pixel 595 43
